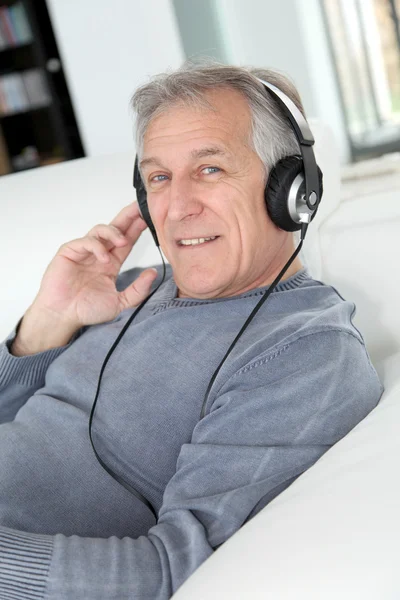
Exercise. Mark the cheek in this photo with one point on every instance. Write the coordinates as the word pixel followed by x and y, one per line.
pixel 256 229
pixel 252 215
pixel 157 211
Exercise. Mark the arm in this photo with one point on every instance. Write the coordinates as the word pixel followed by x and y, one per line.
pixel 269 423
pixel 31 347
pixel 22 376
pixel 78 289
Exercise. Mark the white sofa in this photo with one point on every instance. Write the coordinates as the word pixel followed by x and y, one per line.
pixel 335 532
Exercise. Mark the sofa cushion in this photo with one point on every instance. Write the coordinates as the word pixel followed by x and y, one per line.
pixel 359 248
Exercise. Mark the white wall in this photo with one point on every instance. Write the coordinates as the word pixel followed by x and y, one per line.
pixel 287 35
pixel 108 48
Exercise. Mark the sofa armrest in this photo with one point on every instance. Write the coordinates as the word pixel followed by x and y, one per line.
pixel 334 533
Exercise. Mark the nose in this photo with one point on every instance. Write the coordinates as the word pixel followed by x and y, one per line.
pixel 183 199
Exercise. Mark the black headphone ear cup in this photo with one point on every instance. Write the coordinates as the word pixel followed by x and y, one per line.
pixel 278 187
pixel 280 180
pixel 141 196
pixel 142 202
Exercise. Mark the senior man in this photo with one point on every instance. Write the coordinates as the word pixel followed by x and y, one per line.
pixel 164 488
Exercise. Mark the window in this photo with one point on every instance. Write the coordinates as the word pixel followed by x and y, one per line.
pixel 364 37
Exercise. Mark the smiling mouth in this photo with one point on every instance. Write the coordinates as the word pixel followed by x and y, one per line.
pixel 196 242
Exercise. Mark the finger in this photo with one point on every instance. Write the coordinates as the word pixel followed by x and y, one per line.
pixel 127 216
pixel 131 224
pixel 82 248
pixel 138 291
pixel 132 235
pixel 132 231
pixel 109 234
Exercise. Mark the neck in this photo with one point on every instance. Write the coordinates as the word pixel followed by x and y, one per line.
pixel 296 266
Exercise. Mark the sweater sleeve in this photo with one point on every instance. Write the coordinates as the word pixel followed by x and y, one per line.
pixel 22 376
pixel 268 423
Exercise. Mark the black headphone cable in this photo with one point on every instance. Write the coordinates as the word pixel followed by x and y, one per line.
pixel 117 477
pixel 255 310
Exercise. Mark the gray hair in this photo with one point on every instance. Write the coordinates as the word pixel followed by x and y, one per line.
pixel 272 136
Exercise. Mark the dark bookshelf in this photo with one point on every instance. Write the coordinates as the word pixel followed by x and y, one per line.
pixel 33 136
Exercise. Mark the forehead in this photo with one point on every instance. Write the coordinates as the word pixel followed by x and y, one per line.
pixel 228 121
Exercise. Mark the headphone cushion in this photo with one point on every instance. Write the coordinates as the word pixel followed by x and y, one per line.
pixel 141 196
pixel 277 190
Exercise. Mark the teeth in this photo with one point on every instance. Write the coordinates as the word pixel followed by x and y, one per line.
pixel 195 241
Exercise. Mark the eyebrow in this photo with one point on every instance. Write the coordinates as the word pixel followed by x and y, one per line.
pixel 201 153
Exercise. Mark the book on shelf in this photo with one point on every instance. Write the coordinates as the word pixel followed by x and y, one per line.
pixel 6 26
pixel 14 26
pixel 20 22
pixel 36 88
pixel 22 91
pixel 3 41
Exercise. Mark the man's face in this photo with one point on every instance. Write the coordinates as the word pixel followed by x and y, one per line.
pixel 203 180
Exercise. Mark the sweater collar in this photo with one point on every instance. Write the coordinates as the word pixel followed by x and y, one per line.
pixel 168 290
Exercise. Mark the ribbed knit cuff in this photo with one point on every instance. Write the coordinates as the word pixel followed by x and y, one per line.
pixel 27 370
pixel 24 564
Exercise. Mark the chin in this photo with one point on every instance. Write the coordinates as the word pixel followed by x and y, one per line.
pixel 196 286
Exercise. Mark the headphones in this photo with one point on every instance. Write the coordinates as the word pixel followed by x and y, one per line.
pixel 294 187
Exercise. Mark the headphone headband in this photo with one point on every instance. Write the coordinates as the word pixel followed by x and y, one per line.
pixel 297 120
pixel 305 138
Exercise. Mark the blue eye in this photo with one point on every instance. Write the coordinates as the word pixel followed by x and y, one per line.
pixel 155 178
pixel 214 169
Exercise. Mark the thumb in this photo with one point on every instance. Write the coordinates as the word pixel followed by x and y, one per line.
pixel 138 291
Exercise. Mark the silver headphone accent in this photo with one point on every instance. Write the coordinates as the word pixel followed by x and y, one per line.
pixel 297 205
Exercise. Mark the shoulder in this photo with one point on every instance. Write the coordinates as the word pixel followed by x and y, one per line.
pixel 323 350
pixel 312 312
pixel 315 306
pixel 313 390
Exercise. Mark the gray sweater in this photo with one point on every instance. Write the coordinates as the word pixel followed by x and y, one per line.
pixel 297 381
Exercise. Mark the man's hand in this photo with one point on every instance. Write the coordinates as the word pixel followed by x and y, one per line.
pixel 78 287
